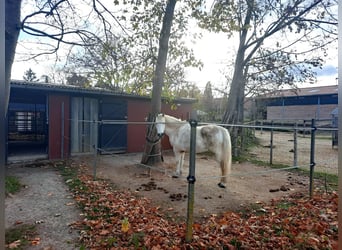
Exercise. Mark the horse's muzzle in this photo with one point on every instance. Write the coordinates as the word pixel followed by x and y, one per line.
pixel 160 135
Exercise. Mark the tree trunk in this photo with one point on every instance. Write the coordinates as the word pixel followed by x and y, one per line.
pixel 152 153
pixel 12 29
pixel 234 111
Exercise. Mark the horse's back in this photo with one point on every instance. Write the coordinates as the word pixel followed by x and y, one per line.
pixel 214 134
pixel 209 138
pixel 216 139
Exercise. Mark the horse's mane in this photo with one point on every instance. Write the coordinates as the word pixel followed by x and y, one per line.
pixel 169 118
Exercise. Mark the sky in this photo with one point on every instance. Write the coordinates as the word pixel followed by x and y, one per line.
pixel 214 50
pixel 213 57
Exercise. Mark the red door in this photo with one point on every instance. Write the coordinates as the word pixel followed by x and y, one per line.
pixel 59 126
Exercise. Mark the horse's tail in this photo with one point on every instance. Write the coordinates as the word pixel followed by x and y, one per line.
pixel 226 155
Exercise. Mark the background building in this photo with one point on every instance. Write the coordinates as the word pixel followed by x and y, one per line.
pixel 299 104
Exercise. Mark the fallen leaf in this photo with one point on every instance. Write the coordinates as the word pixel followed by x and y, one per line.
pixel 294 220
pixel 104 232
pixel 14 244
pixel 35 241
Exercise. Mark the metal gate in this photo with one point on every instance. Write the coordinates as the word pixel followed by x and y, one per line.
pixel 113 127
pixel 27 128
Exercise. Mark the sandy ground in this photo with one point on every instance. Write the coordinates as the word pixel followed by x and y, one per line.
pixel 46 202
pixel 325 157
pixel 247 184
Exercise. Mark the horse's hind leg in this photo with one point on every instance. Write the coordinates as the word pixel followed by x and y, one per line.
pixel 181 162
pixel 224 172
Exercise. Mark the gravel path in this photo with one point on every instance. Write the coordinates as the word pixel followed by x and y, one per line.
pixel 46 202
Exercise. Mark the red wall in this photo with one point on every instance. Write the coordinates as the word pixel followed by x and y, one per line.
pixel 55 126
pixel 137 111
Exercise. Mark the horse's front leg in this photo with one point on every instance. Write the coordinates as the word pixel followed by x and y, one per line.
pixel 180 161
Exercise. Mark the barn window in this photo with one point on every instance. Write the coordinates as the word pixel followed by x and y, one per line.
pixel 23 121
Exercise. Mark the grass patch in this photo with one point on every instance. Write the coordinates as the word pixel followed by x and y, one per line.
pixel 236 243
pixel 285 205
pixel 19 237
pixel 70 177
pixel 330 180
pixel 12 185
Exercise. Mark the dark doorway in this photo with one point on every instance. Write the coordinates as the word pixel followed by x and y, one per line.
pixel 27 126
pixel 113 128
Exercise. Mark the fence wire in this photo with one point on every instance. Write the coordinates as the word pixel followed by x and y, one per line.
pixel 287 146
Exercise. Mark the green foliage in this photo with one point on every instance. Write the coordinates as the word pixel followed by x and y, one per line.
pixel 208 99
pixel 220 18
pixel 236 243
pixel 20 235
pixel 125 61
pixel 285 204
pixel 70 176
pixel 12 185
pixel 276 41
pixel 30 76
pixel 137 240
pixel 78 80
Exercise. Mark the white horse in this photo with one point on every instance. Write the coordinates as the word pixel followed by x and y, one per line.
pixel 211 138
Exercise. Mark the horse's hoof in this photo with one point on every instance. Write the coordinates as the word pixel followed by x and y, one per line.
pixel 176 174
pixel 221 185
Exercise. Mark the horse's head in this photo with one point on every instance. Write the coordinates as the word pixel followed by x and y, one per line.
pixel 160 124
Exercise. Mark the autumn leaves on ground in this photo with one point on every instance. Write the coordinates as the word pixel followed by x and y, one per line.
pixel 117 219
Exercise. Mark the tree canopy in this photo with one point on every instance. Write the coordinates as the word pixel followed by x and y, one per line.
pixel 118 43
pixel 30 76
pixel 278 43
pixel 114 44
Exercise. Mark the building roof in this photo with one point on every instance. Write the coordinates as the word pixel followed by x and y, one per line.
pixel 321 90
pixel 53 87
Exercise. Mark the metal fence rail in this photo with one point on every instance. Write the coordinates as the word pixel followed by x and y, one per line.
pixel 299 153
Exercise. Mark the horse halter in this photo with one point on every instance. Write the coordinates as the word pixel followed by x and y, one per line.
pixel 160 135
pixel 160 127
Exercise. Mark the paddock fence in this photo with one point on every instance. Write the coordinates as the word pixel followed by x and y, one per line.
pixel 297 143
pixel 309 146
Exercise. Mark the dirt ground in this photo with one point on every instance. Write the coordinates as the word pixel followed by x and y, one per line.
pixel 248 184
pixel 325 157
pixel 46 201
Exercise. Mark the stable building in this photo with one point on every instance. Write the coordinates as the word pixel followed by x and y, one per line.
pixel 298 104
pixel 50 121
